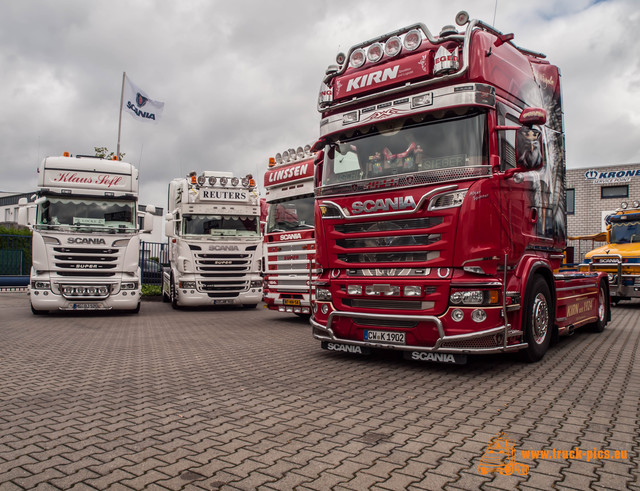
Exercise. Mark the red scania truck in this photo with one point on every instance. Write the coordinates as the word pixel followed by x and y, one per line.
pixel 289 242
pixel 440 209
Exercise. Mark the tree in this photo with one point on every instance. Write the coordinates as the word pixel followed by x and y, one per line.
pixel 103 153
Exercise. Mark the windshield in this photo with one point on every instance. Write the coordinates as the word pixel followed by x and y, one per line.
pixel 294 214
pixel 407 145
pixel 625 233
pixel 220 225
pixel 87 213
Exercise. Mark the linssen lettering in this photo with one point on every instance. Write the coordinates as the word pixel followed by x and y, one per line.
pixel 369 206
pixel 86 240
pixel 439 357
pixel 291 236
pixel 347 348
pixel 376 77
pixel 293 171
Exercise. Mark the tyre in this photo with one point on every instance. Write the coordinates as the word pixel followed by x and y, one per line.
pixel 38 312
pixel 602 310
pixel 537 321
pixel 137 309
pixel 174 295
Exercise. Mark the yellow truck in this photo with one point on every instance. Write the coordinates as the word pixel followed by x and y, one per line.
pixel 620 256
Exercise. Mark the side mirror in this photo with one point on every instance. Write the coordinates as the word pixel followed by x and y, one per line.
pixel 23 212
pixel 533 116
pixel 318 164
pixel 529 148
pixel 147 223
pixel 168 225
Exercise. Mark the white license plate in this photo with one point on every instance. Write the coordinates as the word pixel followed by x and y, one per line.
pixel 385 336
pixel 222 302
pixel 87 306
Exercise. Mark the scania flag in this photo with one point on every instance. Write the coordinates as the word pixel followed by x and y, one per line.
pixel 139 105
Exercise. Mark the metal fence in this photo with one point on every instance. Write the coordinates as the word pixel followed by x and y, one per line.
pixel 15 260
pixel 152 256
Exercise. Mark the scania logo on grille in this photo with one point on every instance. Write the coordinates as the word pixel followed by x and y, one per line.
pixel 224 248
pixel 222 262
pixel 370 206
pixel 85 240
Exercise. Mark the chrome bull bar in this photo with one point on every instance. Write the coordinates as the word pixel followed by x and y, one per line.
pixel 442 337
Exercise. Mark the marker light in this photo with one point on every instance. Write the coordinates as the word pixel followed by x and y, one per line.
pixel 66 154
pixel 357 58
pixel 252 183
pixel 235 181
pixel 393 46
pixel 300 152
pixel 375 52
pixel 285 156
pixel 340 58
pixel 292 154
pixel 278 158
pixel 212 181
pixel 201 180
pixel 272 161
pixel 194 179
pixel 624 205
pixel 307 149
pixel 636 204
pixel 245 181
pixel 412 40
pixel 223 181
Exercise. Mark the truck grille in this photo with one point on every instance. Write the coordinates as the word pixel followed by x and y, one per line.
pixel 85 261
pixel 393 241
pixel 287 266
pixel 223 275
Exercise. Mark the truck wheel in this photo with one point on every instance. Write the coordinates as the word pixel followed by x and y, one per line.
pixel 602 309
pixel 537 321
pixel 38 312
pixel 137 309
pixel 174 296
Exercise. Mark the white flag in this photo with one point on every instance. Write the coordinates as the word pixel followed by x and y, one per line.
pixel 139 105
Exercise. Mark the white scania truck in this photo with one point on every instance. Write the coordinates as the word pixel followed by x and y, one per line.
pixel 86 238
pixel 215 244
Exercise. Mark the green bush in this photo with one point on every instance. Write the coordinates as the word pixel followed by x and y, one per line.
pixel 151 290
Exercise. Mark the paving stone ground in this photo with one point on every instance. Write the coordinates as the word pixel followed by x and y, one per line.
pixel 246 399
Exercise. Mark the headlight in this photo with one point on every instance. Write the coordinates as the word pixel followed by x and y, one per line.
pixel 41 285
pixel 323 295
pixel 412 291
pixel 354 289
pixel 474 297
pixel 130 285
pixel 255 284
pixel 187 284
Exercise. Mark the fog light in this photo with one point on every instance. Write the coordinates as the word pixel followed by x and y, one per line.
pixel 281 308
pixel 324 308
pixel 479 315
pixel 457 315
pixel 354 289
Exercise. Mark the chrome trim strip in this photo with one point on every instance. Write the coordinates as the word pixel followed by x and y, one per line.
pixel 388 213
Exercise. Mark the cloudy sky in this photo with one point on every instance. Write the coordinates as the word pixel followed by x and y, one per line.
pixel 240 79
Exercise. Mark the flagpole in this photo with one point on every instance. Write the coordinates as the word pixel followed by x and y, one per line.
pixel 124 74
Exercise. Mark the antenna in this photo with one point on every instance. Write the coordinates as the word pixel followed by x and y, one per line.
pixel 495 9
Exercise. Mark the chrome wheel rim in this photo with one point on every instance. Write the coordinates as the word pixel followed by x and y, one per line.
pixel 540 318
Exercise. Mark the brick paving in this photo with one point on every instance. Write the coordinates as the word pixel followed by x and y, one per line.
pixel 246 399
